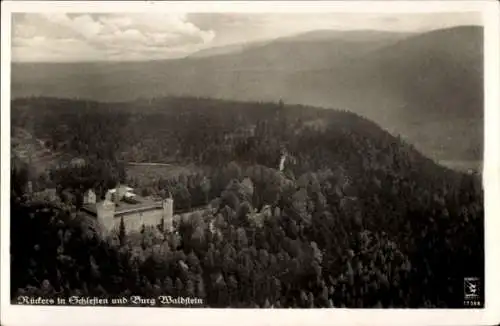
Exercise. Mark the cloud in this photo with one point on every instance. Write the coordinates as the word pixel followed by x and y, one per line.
pixel 39 37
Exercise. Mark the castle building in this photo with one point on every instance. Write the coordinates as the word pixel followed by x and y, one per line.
pixel 136 211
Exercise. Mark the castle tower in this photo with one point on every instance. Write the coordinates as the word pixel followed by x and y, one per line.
pixel 106 214
pixel 168 213
pixel 121 190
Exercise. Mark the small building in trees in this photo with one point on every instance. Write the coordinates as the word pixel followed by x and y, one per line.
pixel 285 158
pixel 29 187
pixel 89 197
pixel 49 194
pixel 77 162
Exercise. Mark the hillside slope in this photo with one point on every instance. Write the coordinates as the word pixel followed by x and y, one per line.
pixel 31 150
pixel 430 87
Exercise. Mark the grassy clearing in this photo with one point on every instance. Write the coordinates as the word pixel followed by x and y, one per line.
pixel 146 173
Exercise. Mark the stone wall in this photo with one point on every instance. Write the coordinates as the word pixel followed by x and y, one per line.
pixel 168 213
pixel 134 221
pixel 105 215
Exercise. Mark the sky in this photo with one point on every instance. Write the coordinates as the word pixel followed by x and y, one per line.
pixel 72 37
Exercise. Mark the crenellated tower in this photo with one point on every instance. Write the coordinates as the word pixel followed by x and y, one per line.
pixel 168 213
pixel 105 214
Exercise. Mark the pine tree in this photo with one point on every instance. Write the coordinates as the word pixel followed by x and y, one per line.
pixel 122 232
pixel 161 226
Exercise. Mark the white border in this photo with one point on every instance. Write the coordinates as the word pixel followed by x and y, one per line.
pixel 251 6
pixel 22 315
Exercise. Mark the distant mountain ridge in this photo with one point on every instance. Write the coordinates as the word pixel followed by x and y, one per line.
pixel 427 87
pixel 354 36
pixel 359 35
pixel 225 49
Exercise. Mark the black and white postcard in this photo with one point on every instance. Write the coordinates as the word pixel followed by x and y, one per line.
pixel 250 163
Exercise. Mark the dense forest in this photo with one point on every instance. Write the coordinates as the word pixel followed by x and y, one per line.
pixel 357 218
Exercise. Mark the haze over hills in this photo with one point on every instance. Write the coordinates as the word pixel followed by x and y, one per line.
pixel 426 87
pixel 318 38
pixel 226 49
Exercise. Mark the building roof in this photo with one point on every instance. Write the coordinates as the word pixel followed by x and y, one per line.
pixel 113 190
pixel 67 192
pixel 131 209
pixel 123 207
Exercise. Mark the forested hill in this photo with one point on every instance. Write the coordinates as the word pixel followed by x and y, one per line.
pixel 212 132
pixel 358 218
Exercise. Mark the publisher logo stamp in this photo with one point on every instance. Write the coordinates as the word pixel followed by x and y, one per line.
pixel 472 295
pixel 471 288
